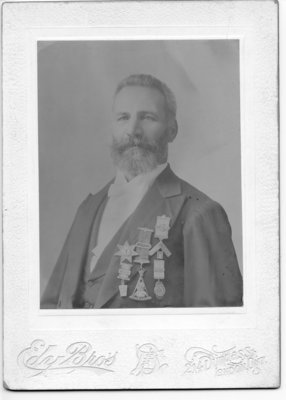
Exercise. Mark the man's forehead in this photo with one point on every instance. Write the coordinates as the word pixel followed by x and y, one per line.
pixel 131 96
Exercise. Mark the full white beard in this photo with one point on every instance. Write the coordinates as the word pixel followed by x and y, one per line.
pixel 138 159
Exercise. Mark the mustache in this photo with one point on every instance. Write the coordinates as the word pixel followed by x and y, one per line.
pixel 138 154
pixel 123 145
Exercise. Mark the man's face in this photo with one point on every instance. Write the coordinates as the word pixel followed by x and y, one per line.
pixel 140 129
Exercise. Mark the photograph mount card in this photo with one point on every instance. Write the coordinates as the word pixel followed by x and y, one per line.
pixel 140 195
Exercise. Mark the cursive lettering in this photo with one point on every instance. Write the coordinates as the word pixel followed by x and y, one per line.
pixel 226 362
pixel 39 358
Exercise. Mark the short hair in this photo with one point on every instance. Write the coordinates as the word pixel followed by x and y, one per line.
pixel 150 81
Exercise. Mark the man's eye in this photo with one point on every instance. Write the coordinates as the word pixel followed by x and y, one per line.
pixel 122 118
pixel 149 117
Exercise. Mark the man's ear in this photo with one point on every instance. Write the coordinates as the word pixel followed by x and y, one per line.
pixel 173 130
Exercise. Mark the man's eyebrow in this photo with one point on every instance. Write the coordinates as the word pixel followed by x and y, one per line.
pixel 149 112
pixel 140 112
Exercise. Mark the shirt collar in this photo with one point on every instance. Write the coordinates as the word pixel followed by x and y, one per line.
pixel 121 185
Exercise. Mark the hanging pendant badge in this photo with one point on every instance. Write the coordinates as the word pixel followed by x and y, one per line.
pixel 126 252
pixel 161 232
pixel 142 249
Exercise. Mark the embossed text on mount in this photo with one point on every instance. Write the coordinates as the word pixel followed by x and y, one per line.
pixel 225 362
pixel 40 358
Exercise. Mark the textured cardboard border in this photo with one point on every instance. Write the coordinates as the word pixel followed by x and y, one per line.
pixel 258 22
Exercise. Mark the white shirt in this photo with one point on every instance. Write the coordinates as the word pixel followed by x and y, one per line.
pixel 123 199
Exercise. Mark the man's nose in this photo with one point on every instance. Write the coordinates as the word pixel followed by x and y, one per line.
pixel 134 127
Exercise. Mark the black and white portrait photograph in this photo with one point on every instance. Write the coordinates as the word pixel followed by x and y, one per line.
pixel 139 174
pixel 140 196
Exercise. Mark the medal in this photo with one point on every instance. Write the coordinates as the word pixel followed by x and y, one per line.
pixel 160 246
pixel 143 255
pixel 126 252
pixel 159 269
pixel 159 273
pixel 142 249
pixel 123 290
pixel 162 228
pixel 140 292
pixel 159 290
pixel 124 271
pixel 144 237
pixel 161 232
pixel 143 245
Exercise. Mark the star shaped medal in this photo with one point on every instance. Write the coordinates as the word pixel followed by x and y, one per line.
pixel 126 252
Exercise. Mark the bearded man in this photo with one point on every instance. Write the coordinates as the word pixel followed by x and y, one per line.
pixel 148 238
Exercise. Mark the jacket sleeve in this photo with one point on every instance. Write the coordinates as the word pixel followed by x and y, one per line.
pixel 211 273
pixel 50 297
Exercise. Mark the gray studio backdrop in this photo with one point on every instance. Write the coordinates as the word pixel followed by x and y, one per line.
pixel 76 81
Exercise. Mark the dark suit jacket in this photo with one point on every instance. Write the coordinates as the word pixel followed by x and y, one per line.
pixel 201 272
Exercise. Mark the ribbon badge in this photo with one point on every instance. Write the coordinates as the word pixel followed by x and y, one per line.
pixel 126 252
pixel 161 232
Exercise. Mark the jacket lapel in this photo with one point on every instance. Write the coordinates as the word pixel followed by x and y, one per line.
pixel 78 247
pixel 164 197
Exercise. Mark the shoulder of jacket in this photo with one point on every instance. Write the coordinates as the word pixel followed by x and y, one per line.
pixel 198 203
